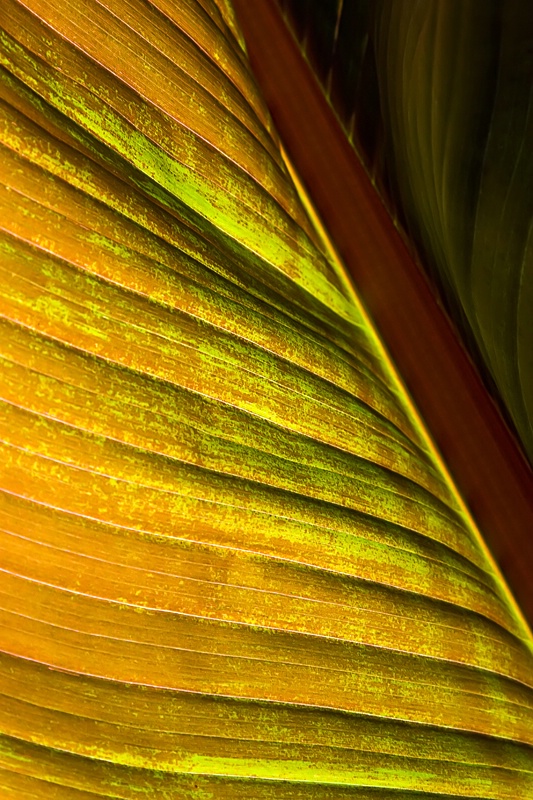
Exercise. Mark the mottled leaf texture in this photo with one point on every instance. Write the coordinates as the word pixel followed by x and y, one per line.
pixel 232 565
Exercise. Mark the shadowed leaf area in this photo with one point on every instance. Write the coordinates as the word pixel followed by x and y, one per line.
pixel 437 96
pixel 232 564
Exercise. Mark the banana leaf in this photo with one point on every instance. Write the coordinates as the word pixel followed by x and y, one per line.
pixel 233 564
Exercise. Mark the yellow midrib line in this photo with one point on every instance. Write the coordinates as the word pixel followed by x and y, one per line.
pixel 403 392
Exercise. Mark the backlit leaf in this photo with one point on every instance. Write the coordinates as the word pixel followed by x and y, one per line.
pixel 233 565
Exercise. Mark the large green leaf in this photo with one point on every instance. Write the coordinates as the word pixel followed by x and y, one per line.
pixel 233 565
